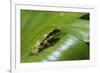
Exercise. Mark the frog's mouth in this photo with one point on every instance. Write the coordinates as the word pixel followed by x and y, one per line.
pixel 49 40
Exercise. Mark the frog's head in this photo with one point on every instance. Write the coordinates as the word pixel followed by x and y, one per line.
pixel 34 50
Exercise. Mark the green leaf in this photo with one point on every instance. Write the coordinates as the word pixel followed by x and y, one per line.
pixel 79 29
pixel 74 35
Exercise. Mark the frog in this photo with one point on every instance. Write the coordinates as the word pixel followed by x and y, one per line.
pixel 48 40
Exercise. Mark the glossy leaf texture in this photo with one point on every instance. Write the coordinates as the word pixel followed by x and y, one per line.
pixel 72 44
